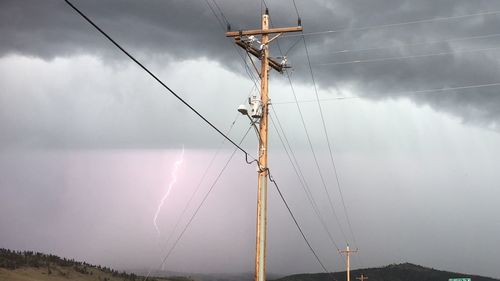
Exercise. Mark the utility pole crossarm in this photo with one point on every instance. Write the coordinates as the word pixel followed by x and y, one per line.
pixel 237 35
pixel 257 53
pixel 347 252
pixel 362 277
pixel 262 32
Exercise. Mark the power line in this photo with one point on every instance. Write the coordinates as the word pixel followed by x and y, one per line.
pixel 222 14
pixel 292 46
pixel 296 10
pixel 362 28
pixel 345 51
pixel 161 82
pixel 416 92
pixel 310 143
pixel 246 66
pixel 202 179
pixel 325 130
pixel 265 4
pixel 409 57
pixel 298 171
pixel 313 152
pixel 215 14
pixel 201 203
pixel 220 21
pixel 309 194
pixel 330 149
pixel 325 99
pixel 271 179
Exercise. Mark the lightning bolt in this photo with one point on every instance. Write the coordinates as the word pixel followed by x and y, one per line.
pixel 173 180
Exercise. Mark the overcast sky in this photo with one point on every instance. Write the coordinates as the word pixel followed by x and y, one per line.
pixel 88 140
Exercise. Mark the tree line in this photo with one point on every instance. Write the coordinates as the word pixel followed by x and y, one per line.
pixel 12 260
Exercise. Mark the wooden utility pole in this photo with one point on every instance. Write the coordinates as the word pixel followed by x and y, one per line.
pixel 362 278
pixel 347 253
pixel 246 40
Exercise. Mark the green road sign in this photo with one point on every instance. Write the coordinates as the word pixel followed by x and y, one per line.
pixel 459 279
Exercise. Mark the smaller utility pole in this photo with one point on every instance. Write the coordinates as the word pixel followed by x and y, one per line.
pixel 347 253
pixel 362 278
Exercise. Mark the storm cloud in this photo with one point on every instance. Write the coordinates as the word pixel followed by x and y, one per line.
pixel 422 55
pixel 87 138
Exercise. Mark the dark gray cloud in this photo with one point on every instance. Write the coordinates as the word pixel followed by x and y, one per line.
pixel 188 29
pixel 67 91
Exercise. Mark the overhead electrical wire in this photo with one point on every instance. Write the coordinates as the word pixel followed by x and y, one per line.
pixel 188 203
pixel 324 99
pixel 315 157
pixel 415 92
pixel 363 28
pixel 271 179
pixel 169 252
pixel 200 182
pixel 300 175
pixel 345 51
pixel 307 190
pixel 327 138
pixel 246 66
pixel 247 155
pixel 292 46
pixel 408 57
pixel 312 148
pixel 243 58
pixel 228 25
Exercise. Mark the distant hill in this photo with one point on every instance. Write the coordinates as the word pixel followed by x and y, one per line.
pixel 395 272
pixel 32 266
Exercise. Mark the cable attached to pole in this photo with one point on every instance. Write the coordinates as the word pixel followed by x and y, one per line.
pixel 271 179
pixel 161 82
